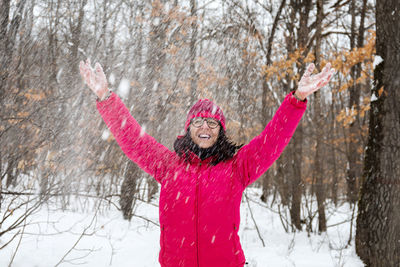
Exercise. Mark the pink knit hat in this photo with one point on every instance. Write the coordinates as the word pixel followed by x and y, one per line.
pixel 206 109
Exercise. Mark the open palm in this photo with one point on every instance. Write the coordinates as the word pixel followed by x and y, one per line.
pixel 311 83
pixel 94 78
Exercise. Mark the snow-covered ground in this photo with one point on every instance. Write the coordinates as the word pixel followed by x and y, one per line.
pixel 74 237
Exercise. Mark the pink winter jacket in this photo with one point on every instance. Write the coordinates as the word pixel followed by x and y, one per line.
pixel 199 203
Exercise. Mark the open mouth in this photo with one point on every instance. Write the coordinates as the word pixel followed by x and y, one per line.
pixel 204 136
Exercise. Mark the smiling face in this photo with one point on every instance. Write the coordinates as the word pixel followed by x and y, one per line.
pixel 204 136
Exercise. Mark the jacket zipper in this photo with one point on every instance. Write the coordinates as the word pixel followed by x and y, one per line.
pixel 197 217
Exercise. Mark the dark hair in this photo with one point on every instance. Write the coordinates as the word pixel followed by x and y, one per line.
pixel 223 149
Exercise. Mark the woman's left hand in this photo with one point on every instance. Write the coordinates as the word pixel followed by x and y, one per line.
pixel 311 83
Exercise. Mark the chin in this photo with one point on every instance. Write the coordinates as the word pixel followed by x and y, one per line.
pixel 203 145
pixel 207 145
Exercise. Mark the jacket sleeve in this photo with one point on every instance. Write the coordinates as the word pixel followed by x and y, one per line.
pixel 140 147
pixel 253 159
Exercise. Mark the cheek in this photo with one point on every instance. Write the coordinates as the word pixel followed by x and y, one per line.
pixel 214 140
pixel 192 134
pixel 216 133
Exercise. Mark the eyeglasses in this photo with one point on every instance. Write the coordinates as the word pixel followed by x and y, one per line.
pixel 198 122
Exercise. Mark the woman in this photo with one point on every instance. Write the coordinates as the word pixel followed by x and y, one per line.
pixel 203 180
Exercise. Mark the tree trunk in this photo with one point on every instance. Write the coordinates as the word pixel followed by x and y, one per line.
pixel 265 116
pixel 296 147
pixel 9 28
pixel 333 135
pixel 76 30
pixel 378 221
pixel 1 179
pixel 353 170
pixel 193 52
pixel 153 102
pixel 129 190
pixel 266 187
pixel 318 169
pixel 5 55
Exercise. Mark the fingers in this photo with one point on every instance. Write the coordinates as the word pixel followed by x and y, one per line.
pixel 85 66
pixel 98 67
pixel 94 78
pixel 310 83
pixel 309 70
pixel 88 63
pixel 85 72
pixel 82 69
pixel 99 70
pixel 326 71
pixel 325 77
pixel 327 67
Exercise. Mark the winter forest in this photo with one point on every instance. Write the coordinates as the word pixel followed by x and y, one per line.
pixel 69 196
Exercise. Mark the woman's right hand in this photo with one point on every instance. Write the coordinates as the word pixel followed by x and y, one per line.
pixel 94 78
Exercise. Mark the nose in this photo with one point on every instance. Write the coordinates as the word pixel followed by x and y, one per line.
pixel 204 125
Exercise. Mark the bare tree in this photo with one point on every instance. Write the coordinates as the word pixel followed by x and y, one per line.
pixel 356 40
pixel 318 174
pixel 303 8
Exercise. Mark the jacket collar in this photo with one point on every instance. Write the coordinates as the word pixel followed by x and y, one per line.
pixel 194 159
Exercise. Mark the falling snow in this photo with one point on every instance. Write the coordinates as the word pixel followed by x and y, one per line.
pixel 105 134
pixel 148 66
pixel 124 88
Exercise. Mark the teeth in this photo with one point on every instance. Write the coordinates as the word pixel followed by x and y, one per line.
pixel 204 136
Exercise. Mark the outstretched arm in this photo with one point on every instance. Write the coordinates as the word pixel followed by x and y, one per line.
pixel 256 157
pixel 151 156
